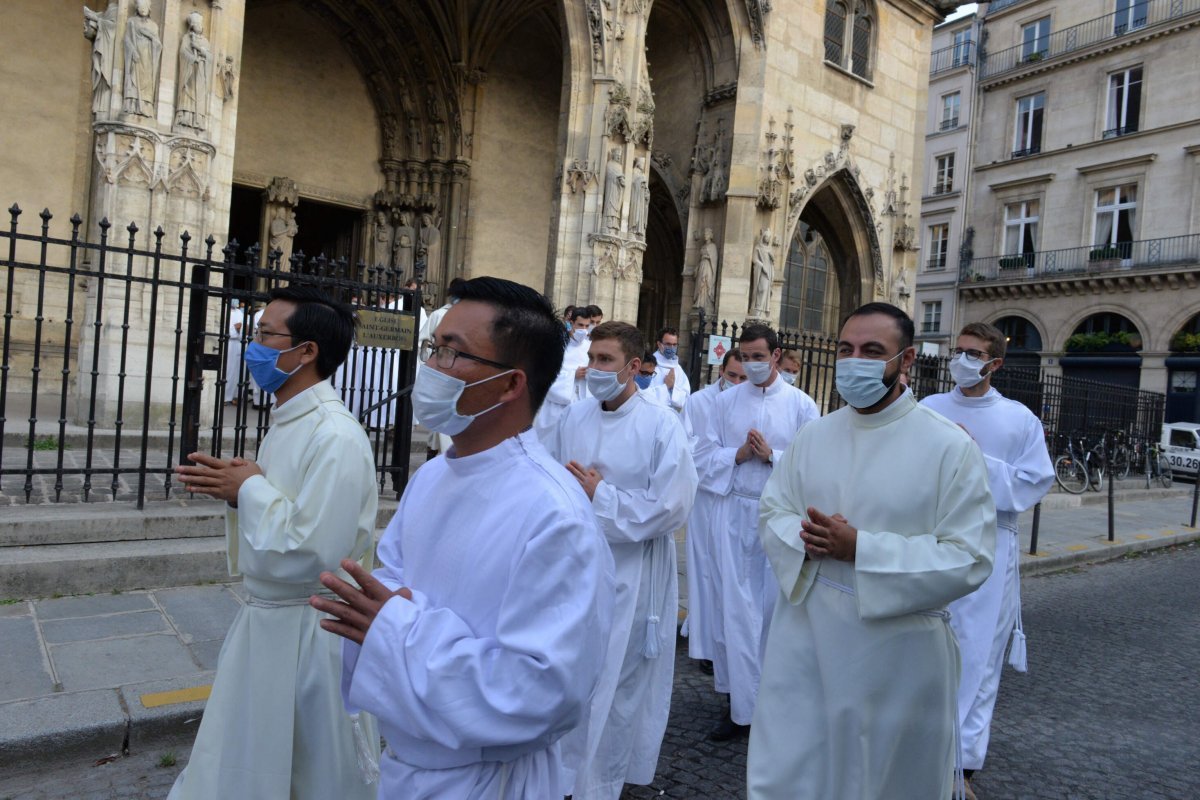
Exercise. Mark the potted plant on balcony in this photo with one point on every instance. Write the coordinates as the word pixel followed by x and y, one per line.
pixel 1101 342
pixel 1037 55
pixel 1104 257
pixel 1184 342
pixel 1013 262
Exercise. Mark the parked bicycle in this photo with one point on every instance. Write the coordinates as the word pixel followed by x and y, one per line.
pixel 1157 466
pixel 1079 467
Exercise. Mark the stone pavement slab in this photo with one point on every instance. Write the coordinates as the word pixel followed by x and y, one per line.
pixel 23 672
pixel 78 629
pixel 199 613
pixel 112 663
pixel 91 605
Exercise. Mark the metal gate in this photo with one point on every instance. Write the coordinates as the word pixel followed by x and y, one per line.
pixel 127 343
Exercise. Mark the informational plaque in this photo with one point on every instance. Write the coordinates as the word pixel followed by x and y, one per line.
pixel 718 346
pixel 394 330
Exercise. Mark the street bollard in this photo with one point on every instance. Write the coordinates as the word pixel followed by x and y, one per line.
pixel 1037 521
pixel 1195 496
pixel 1112 480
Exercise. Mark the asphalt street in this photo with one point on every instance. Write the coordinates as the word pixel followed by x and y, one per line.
pixel 1107 710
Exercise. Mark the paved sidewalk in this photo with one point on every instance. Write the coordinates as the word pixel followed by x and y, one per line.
pixel 91 675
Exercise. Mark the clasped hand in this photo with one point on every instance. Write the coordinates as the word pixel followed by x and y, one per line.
pixel 829 536
pixel 353 618
pixel 217 477
pixel 755 446
pixel 589 479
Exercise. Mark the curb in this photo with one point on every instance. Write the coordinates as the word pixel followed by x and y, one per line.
pixel 1056 562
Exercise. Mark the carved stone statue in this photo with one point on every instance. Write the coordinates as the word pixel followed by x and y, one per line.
pixel 101 31
pixel 429 242
pixel 639 198
pixel 614 191
pixel 228 74
pixel 764 274
pixel 383 240
pixel 403 244
pixel 143 49
pixel 194 82
pixel 706 273
pixel 283 231
pixel 715 182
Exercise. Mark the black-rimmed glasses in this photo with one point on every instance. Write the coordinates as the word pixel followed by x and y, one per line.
pixel 260 335
pixel 443 356
pixel 978 355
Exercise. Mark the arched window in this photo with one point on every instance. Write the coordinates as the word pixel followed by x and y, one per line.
pixel 1187 338
pixel 1105 331
pixel 810 286
pixel 1020 333
pixel 850 35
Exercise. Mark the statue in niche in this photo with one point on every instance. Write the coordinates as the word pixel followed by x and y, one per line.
pixel 283 231
pixel 403 244
pixel 228 79
pixel 101 31
pixel 714 185
pixel 639 198
pixel 429 242
pixel 764 274
pixel 706 274
pixel 414 134
pixel 383 239
pixel 194 82
pixel 390 132
pixel 614 191
pixel 143 49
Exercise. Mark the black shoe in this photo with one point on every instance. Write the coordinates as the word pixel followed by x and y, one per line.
pixel 727 730
pixel 706 667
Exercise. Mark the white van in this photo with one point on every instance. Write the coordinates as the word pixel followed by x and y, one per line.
pixel 1181 445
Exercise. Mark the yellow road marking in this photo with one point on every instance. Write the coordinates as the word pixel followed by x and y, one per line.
pixel 1114 541
pixel 1143 536
pixel 1169 532
pixel 1077 547
pixel 189 695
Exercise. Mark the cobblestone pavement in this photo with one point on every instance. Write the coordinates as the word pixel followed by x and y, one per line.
pixel 1106 712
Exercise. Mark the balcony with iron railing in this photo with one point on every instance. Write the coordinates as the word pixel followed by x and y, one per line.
pixel 948 124
pixel 952 57
pixel 1139 17
pixel 997 5
pixel 1092 260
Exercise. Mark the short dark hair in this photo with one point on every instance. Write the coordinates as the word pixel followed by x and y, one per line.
pixel 525 332
pixel 568 311
pixel 732 355
pixel 595 311
pixel 755 331
pixel 455 285
pixel 903 321
pixel 319 319
pixel 579 313
pixel 632 343
pixel 649 358
pixel 667 331
pixel 997 343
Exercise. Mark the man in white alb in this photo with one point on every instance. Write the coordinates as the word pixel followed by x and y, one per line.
pixel 701 589
pixel 668 371
pixel 480 639
pixel 877 516
pixel 1020 473
pixel 633 459
pixel 274 725
pixel 746 432
pixel 569 386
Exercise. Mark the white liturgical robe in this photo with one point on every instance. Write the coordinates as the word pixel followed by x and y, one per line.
pixel 858 688
pixel 745 589
pixel 683 387
pixel 1020 473
pixel 701 590
pixel 477 678
pixel 647 487
pixel 565 390
pixel 274 725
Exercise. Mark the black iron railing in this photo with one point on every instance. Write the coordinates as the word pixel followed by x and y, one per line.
pixel 1141 15
pixel 948 124
pixel 1174 251
pixel 952 57
pixel 128 341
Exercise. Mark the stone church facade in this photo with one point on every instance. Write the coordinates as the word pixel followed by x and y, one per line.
pixel 750 158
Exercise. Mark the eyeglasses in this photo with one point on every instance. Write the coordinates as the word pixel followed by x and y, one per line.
pixel 978 355
pixel 444 355
pixel 260 334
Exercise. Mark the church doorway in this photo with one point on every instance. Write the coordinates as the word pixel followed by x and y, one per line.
pixel 659 300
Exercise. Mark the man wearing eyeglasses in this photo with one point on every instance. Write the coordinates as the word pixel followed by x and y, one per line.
pixel 308 502
pixel 480 638
pixel 1019 474
pixel 631 455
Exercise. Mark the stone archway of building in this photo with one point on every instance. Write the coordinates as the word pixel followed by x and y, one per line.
pixel 660 299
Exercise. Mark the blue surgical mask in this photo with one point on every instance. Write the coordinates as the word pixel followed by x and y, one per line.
pixel 788 377
pixel 435 398
pixel 758 372
pixel 261 361
pixel 580 335
pixel 604 385
pixel 967 371
pixel 670 352
pixel 860 380
pixel 643 381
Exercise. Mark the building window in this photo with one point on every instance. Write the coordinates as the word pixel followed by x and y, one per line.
pixel 1131 15
pixel 1124 102
pixel 944 174
pixel 1035 40
pixel 1027 138
pixel 950 105
pixel 1020 230
pixel 931 321
pixel 849 35
pixel 939 243
pixel 962 48
pixel 810 288
pixel 1116 212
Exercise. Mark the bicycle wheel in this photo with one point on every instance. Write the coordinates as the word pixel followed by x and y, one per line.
pixel 1164 472
pixel 1070 474
pixel 1096 477
pixel 1121 462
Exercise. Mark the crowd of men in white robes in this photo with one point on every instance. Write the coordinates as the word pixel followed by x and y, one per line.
pixel 517 637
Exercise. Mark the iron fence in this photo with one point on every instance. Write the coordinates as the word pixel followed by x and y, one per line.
pixel 1139 15
pixel 1145 254
pixel 956 55
pixel 130 345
